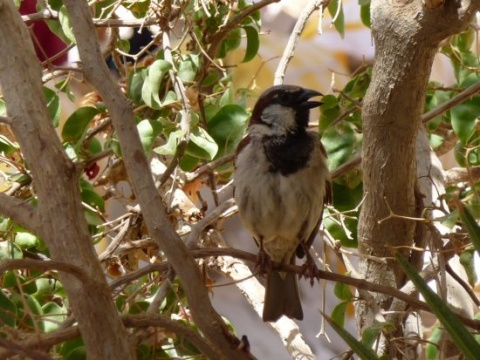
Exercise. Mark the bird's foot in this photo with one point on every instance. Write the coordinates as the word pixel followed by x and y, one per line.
pixel 264 263
pixel 309 269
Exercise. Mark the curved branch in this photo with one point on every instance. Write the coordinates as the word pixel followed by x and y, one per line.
pixel 138 170
pixel 181 330
pixel 46 341
pixel 10 264
pixel 21 213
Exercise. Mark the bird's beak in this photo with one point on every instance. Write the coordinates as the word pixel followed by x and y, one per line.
pixel 306 95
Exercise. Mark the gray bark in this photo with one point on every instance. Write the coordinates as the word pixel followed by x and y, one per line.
pixel 59 217
pixel 406 34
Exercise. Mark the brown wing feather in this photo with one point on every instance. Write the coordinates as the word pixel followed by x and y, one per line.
pixel 327 199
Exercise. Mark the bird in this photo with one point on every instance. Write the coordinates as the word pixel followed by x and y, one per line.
pixel 282 184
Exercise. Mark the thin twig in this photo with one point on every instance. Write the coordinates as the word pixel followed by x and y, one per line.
pixel 17 349
pixel 292 41
pixel 204 169
pixel 232 24
pixel 457 99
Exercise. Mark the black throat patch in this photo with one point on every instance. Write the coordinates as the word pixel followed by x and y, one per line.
pixel 288 154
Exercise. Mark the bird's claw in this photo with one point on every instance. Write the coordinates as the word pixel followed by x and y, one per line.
pixel 264 263
pixel 309 269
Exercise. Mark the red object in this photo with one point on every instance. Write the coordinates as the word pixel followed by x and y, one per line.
pixel 46 43
pixel 92 170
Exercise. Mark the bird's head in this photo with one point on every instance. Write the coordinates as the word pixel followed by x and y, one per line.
pixel 283 109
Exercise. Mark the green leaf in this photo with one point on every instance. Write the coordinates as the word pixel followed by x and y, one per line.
pixel 170 98
pixel 365 15
pixel 64 86
pixel 104 9
pixel 9 250
pixel 458 332
pixel 77 124
pixel 6 146
pixel 153 81
pixel 90 197
pixel 47 286
pixel 335 8
pixel 468 262
pixel 55 4
pixel 53 316
pixel 64 21
pixel 187 69
pixel 135 84
pixel 94 146
pixel 188 163
pixel 3 108
pixel 227 127
pixel 470 224
pixel 231 42
pixel 342 291
pixel 123 45
pixel 148 131
pixel 436 141
pixel 362 351
pixel 8 311
pixel 253 43
pixel 9 279
pixel 338 313
pixel 138 8
pixel 25 240
pixel 34 308
pixel 213 77
pixel 170 147
pixel 464 117
pixel 201 144
pixel 431 349
pixel 53 105
pixel 371 334
pixel 69 346
pixel 340 143
pixel 79 353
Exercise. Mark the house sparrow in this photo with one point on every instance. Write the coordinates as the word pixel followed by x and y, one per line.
pixel 281 185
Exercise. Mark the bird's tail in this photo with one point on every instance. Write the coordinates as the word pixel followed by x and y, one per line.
pixel 282 297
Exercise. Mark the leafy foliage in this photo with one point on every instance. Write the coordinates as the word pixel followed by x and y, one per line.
pixel 189 113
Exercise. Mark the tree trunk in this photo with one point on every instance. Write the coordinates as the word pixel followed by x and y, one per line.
pixel 59 212
pixel 406 34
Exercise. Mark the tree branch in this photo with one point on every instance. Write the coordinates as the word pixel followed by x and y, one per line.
pixel 160 229
pixel 21 213
pixel 220 36
pixel 456 175
pixel 46 341
pixel 30 264
pixel 447 105
pixel 292 41
pixel 392 117
pixel 64 227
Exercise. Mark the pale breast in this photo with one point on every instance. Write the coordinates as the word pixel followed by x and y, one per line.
pixel 281 210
